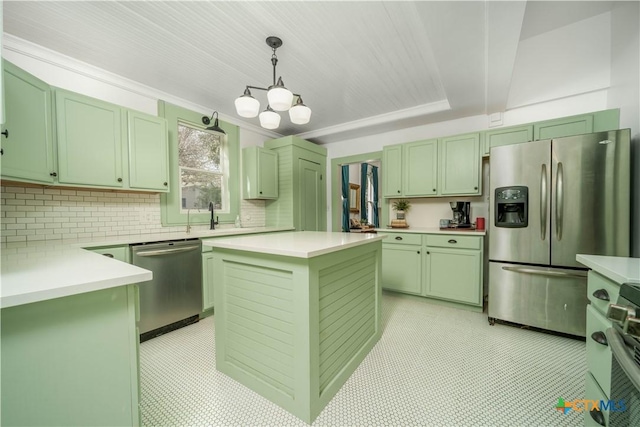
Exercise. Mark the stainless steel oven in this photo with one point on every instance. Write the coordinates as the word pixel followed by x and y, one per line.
pixel 623 338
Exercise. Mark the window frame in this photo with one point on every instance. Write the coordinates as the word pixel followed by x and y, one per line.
pixel 171 203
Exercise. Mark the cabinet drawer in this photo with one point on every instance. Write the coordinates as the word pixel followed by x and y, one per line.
pixel 121 253
pixel 454 241
pixel 402 238
pixel 598 355
pixel 599 285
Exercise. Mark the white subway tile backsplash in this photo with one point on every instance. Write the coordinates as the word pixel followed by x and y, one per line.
pixel 47 213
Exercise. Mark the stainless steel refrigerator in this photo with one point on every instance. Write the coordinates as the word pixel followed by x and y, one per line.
pixel 551 200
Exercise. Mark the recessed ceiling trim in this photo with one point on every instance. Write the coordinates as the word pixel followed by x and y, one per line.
pixel 43 54
pixel 407 113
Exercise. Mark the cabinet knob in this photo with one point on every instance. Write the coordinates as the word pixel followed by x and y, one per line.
pixel 434 189
pixel 119 179
pixel 475 188
pixel 53 174
pixel 1 151
pixel 601 294
pixel 165 184
pixel 418 252
pixel 600 338
pixel 108 255
pixel 428 253
pixel 261 192
pixel 398 191
pixel 453 241
pixel 597 416
pixel 398 238
pixel 5 133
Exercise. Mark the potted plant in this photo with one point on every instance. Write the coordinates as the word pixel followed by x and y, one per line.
pixel 401 206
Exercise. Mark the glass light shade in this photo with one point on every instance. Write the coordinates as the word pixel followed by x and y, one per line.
pixel 269 119
pixel 247 106
pixel 300 114
pixel 280 98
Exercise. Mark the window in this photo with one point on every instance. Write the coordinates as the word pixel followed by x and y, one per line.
pixel 204 167
pixel 202 156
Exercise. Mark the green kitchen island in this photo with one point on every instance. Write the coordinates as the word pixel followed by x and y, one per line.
pixel 296 313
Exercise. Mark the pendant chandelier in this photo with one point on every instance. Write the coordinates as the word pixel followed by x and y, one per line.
pixel 279 99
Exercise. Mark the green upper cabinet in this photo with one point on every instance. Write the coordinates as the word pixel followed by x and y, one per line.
pixel 260 170
pixel 567 126
pixel 420 176
pixel 392 176
pixel 27 145
pixel 460 165
pixel 90 141
pixel 148 152
pixel 506 136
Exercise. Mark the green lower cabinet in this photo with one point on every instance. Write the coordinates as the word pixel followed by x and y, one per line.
pixel 402 268
pixel 599 356
pixel 207 281
pixel 71 361
pixel 593 392
pixel 454 275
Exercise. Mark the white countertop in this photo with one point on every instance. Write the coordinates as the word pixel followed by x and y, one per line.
pixel 38 271
pixel 619 269
pixel 128 239
pixel 63 273
pixel 300 244
pixel 434 230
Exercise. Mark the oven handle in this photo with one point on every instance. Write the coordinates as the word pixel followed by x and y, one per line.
pixel 626 362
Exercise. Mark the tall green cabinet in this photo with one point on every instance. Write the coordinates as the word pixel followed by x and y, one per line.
pixel 302 199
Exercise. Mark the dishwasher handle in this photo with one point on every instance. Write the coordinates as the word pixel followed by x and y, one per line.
pixel 167 251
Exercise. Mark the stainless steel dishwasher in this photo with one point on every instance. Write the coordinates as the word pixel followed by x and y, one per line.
pixel 173 298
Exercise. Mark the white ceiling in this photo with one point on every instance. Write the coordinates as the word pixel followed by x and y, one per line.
pixel 362 67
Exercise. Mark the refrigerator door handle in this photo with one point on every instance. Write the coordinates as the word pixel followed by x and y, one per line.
pixel 559 201
pixel 550 273
pixel 543 202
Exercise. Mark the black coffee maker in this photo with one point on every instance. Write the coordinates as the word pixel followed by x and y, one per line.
pixel 460 214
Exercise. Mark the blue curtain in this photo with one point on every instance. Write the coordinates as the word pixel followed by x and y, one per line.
pixel 345 198
pixel 374 176
pixel 363 191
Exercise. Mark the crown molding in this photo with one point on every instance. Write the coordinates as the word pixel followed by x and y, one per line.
pixel 51 57
pixel 407 113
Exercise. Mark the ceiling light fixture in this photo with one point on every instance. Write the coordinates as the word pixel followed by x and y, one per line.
pixel 279 99
pixel 215 127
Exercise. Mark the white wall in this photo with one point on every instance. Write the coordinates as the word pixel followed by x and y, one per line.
pixel 625 94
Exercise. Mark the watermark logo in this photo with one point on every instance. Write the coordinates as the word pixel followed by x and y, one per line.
pixel 580 405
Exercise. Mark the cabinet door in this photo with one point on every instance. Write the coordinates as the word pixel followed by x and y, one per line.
pixel 207 281
pixel 593 392
pixel 89 141
pixel 312 201
pixel 454 274
pixel 402 268
pixel 392 175
pixel 267 174
pixel 27 149
pixel 148 152
pixel 421 168
pixel 460 165
pixel 566 126
pixel 507 136
pixel 598 355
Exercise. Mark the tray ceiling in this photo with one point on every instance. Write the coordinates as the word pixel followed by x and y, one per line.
pixel 361 67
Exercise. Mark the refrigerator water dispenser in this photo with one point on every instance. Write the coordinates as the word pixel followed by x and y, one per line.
pixel 512 207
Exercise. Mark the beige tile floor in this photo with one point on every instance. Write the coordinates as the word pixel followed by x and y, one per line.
pixel 434 365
